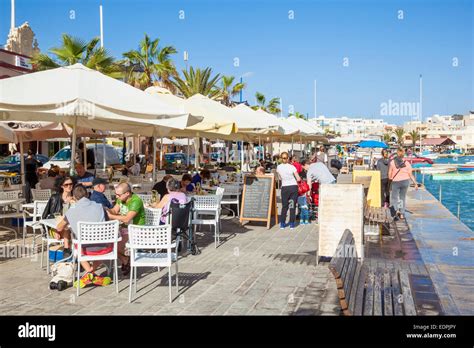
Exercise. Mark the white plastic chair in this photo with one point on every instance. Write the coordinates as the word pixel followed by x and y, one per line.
pixel 35 215
pixel 152 216
pixel 90 233
pixel 231 196
pixel 146 198
pixel 40 195
pixel 151 238
pixel 208 205
pixel 46 237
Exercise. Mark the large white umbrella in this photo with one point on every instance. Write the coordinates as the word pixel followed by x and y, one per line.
pixel 86 98
pixel 80 96
pixel 37 131
pixel 6 135
pixel 218 120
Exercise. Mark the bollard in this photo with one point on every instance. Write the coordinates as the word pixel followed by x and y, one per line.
pixel 440 194
pixel 459 210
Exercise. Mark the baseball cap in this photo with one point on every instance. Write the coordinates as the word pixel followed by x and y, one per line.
pixel 98 181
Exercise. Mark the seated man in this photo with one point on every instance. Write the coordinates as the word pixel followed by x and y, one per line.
pixel 83 177
pixel 86 211
pixel 128 209
pixel 100 185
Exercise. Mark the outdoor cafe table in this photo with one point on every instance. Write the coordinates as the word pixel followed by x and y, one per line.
pixel 6 203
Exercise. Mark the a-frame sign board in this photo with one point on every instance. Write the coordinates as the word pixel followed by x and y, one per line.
pixel 259 199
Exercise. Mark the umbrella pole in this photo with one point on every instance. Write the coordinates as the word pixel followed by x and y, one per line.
pixel 22 163
pixel 161 153
pixel 84 142
pixel 242 156
pixel 103 154
pixel 73 146
pixel 187 159
pixel 301 147
pixel 259 147
pixel 154 158
pixel 292 142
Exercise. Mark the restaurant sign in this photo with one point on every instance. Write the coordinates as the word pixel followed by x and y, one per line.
pixel 23 62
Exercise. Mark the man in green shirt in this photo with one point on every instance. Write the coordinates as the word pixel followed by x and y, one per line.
pixel 128 209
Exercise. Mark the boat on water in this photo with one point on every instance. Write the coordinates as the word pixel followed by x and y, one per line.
pixel 430 155
pixel 466 167
pixel 454 176
pixel 437 170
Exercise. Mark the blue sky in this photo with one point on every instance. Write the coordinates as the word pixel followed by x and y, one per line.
pixel 281 57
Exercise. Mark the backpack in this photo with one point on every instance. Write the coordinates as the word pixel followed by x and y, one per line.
pixel 335 163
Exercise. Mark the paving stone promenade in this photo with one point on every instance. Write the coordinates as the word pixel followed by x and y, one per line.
pixel 255 271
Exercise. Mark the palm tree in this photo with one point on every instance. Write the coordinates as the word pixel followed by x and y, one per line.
pixel 400 134
pixel 415 136
pixel 150 63
pixel 226 90
pixel 272 107
pixel 74 50
pixel 300 115
pixel 197 81
pixel 386 137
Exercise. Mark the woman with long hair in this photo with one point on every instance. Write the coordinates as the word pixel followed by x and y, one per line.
pixel 58 203
pixel 289 190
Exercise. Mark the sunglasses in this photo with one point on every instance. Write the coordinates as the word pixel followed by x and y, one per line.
pixel 70 184
pixel 284 158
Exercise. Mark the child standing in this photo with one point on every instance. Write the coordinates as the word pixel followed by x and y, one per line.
pixel 304 209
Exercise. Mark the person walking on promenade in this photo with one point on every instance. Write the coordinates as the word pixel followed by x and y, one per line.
pixel 382 166
pixel 400 173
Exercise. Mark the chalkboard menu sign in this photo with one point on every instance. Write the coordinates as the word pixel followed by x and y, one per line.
pixel 259 199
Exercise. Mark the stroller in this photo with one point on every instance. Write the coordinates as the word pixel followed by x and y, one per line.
pixel 314 201
pixel 181 225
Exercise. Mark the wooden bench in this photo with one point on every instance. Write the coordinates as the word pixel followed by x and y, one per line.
pixel 363 290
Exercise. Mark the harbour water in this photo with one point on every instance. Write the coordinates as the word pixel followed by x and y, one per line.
pixel 454 194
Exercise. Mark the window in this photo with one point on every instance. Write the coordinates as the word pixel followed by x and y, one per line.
pixel 63 155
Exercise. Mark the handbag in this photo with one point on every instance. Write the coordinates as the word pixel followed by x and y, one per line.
pixel 303 187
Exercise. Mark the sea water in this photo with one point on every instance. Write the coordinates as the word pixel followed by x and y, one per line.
pixel 454 193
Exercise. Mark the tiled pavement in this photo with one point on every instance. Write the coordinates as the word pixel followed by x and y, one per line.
pixel 254 271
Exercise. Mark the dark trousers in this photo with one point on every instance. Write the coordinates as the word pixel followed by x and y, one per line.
pixel 289 198
pixel 385 190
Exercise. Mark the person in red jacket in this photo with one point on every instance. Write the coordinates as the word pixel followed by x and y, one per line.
pixel 296 164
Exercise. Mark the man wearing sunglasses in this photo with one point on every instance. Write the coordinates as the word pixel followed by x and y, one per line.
pixel 128 209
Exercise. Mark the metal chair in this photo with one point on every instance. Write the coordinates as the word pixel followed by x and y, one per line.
pixel 151 238
pixel 35 215
pixel 90 233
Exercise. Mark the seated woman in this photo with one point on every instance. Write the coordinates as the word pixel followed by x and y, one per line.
pixel 59 203
pixel 203 176
pixel 174 193
pixel 186 183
